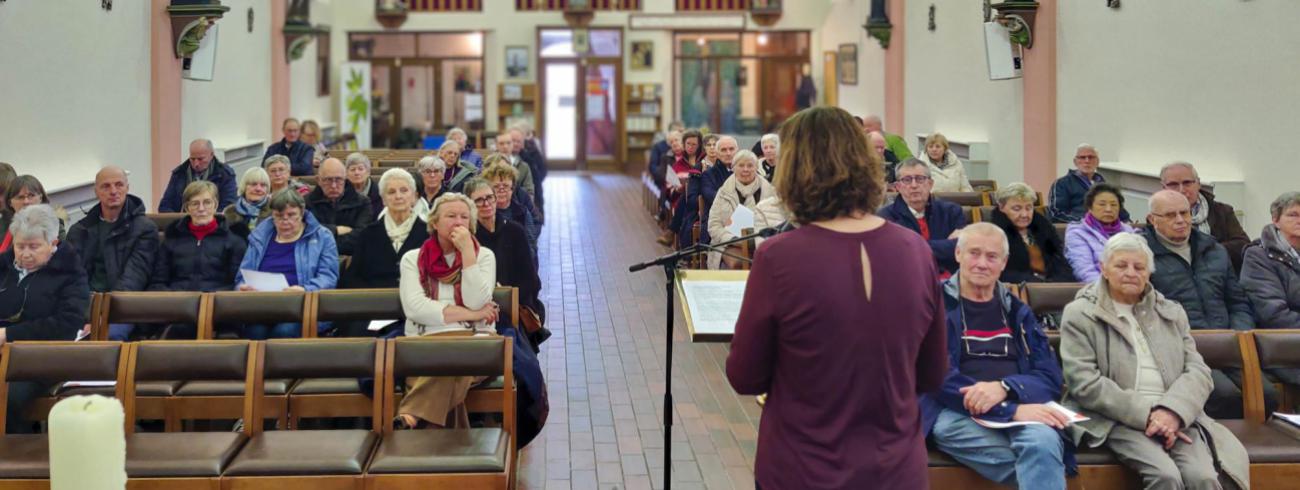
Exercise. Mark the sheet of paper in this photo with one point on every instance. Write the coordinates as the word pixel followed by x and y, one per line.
pixel 377 325
pixel 714 305
pixel 88 384
pixel 1073 416
pixel 1290 418
pixel 671 178
pixel 741 219
pixel 264 281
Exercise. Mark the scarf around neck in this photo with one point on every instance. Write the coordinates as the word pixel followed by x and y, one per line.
pixel 434 269
pixel 1285 244
pixel 189 172
pixel 1107 230
pixel 1201 214
pixel 397 232
pixel 250 210
pixel 752 191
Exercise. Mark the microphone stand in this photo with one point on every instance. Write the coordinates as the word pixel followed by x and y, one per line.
pixel 669 263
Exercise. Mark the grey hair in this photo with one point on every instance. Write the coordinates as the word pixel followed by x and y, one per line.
pixel 395 174
pixel 1283 203
pixel 771 138
pixel 985 229
pixel 1151 201
pixel 1177 164
pixel 744 155
pixel 1084 146
pixel 676 124
pixel 287 198
pixel 1016 190
pixel 253 175
pixel 913 162
pixel 36 220
pixel 872 118
pixel 1128 242
pixel 448 144
pixel 725 137
pixel 431 161
pixel 357 158
pixel 207 143
pixel 456 131
pixel 273 159
pixel 673 134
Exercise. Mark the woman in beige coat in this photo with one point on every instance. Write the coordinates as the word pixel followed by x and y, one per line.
pixel 1131 365
pixel 947 171
pixel 745 187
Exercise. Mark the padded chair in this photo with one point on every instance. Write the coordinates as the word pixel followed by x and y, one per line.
pixel 1280 349
pixel 1048 300
pixel 972 213
pixel 1224 350
pixel 24 458
pixel 963 198
pixel 188 460
pixel 310 458
pixel 984 185
pixel 163 220
pixel 446 458
pixel 189 307
pixel 1060 230
pixel 307 179
pixel 258 307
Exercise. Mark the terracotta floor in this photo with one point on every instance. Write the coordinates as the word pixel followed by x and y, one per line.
pixel 605 362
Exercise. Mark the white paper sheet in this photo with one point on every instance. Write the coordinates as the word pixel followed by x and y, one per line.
pixel 264 281
pixel 740 219
pixel 1069 414
pixel 1289 418
pixel 377 325
pixel 671 178
pixel 88 384
pixel 714 305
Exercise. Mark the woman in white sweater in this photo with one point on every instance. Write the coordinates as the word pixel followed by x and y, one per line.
pixel 745 187
pixel 946 170
pixel 446 288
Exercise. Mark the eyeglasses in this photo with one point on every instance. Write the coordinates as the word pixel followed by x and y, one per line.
pixel 1184 213
pixel 285 218
pixel 505 186
pixel 201 204
pixel 330 180
pixel 1177 186
pixel 430 171
pixel 913 179
pixel 485 200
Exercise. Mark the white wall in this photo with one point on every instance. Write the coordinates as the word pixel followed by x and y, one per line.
pixel 235 107
pixel 1210 83
pixel 949 91
pixel 843 25
pixel 74 91
pixel 303 101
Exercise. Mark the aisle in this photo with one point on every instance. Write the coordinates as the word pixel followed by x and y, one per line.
pixel 605 362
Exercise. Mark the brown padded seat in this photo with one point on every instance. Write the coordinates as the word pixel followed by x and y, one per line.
pixel 25 456
pixel 315 452
pixel 148 388
pixel 1095 456
pixel 1278 349
pixel 1220 349
pixel 1264 444
pixel 962 198
pixel 326 386
pixel 938 459
pixel 257 307
pixel 442 451
pixel 358 304
pixel 203 454
pixel 1045 297
pixel 323 367
pixel 154 307
pixel 230 388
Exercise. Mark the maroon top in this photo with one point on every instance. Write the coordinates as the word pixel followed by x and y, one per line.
pixel 842 372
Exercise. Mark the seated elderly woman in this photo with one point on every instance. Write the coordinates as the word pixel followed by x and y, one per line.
pixel 44 294
pixel 1036 254
pixel 383 243
pixel 250 207
pixel 1270 273
pixel 294 244
pixel 745 187
pixel 509 241
pixel 430 172
pixel 1084 239
pixel 279 170
pixel 458 170
pixel 358 168
pixel 514 206
pixel 945 168
pixel 23 191
pixel 446 289
pixel 198 252
pixel 771 145
pixel 1131 366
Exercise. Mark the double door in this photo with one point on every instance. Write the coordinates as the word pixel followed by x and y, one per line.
pixel 581 112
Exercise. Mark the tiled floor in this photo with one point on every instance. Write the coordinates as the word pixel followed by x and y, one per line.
pixel 605 363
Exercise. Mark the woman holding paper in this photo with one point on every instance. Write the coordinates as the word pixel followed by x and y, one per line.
pixel 1131 365
pixel 384 242
pixel 291 244
pixel 446 288
pixel 744 188
pixel 198 252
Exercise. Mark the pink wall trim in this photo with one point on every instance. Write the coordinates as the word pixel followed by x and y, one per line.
pixel 279 71
pixel 164 101
pixel 1040 101
pixel 895 58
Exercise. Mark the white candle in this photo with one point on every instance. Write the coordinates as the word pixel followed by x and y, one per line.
pixel 87 444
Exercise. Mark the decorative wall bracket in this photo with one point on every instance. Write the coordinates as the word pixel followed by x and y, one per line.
pixel 578 16
pixel 1018 16
pixel 765 15
pixel 878 25
pixel 390 13
pixel 297 37
pixel 190 21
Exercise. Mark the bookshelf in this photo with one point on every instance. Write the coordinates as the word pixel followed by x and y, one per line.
pixel 516 101
pixel 643 111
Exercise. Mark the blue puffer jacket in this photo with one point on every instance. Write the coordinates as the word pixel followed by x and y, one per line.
pixel 315 255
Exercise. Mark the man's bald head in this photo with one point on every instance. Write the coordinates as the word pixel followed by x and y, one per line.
pixel 1171 215
pixel 330 178
pixel 110 172
pixel 872 124
pixel 877 141
pixel 111 188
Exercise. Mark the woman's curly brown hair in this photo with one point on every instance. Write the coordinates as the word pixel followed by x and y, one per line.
pixel 827 169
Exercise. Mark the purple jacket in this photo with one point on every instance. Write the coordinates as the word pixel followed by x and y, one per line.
pixel 1083 246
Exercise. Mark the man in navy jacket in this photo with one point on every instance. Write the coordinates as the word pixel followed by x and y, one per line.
pixel 1068 192
pixel 202 165
pixel 1002 369
pixel 299 153
pixel 935 220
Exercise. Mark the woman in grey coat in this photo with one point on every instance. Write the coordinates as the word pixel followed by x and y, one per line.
pixel 1270 274
pixel 1131 366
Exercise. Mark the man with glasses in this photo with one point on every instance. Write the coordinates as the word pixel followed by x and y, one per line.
pixel 201 165
pixel 1068 192
pixel 337 206
pixel 1001 370
pixel 1208 215
pixel 936 220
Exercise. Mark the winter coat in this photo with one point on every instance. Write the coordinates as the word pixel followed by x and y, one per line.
pixel 299 153
pixel 186 264
pixel 351 210
pixel 315 255
pixel 219 174
pixel 524 178
pixel 536 163
pixel 515 264
pixel 238 223
pixel 895 144
pixel 468 155
pixel 942 217
pixel 1207 288
pixel 456 182
pixel 1083 246
pixel 374 197
pixel 374 263
pixel 728 199
pixel 53 301
pixel 1271 279
pixel 948 175
pixel 1099 359
pixel 132 246
pixel 1068 195
pixel 1226 229
pixel 521 212
pixel 1049 243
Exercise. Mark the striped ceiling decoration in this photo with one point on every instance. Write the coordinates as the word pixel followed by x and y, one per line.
pixel 712 5
pixel 563 4
pixel 444 5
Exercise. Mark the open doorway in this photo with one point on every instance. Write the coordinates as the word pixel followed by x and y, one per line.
pixel 581 75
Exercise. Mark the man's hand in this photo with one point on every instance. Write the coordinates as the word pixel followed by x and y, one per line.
pixel 1163 422
pixel 980 397
pixel 1036 412
pixel 343 230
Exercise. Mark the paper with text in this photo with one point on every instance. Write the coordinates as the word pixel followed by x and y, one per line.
pixel 714 305
pixel 264 281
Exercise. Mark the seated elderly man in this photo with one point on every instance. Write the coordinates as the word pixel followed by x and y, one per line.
pixel 337 206
pixel 1131 366
pixel 201 165
pixel 880 146
pixel 43 295
pixel 1001 370
pixel 466 150
pixel 935 220
pixel 1066 202
pixel 1208 215
pixel 524 174
pixel 897 147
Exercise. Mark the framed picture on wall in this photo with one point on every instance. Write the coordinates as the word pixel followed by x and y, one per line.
pixel 848 60
pixel 517 62
pixel 643 55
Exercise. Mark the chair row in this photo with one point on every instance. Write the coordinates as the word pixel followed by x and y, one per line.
pixel 254 458
pixel 208 310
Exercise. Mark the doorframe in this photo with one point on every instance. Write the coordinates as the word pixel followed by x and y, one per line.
pixel 580 160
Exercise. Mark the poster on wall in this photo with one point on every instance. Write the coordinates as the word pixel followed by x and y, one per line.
pixel 354 102
pixel 643 55
pixel 848 64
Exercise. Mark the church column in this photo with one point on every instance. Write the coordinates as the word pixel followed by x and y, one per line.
pixel 164 100
pixel 1040 101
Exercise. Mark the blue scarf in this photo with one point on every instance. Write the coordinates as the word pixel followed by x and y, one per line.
pixel 250 211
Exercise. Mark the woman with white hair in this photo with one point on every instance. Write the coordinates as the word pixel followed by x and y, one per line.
pixel 1131 366
pixel 1037 253
pixel 771 145
pixel 458 170
pixel 250 207
pixel 745 187
pixel 44 294
pixel 430 173
pixel 358 175
pixel 382 243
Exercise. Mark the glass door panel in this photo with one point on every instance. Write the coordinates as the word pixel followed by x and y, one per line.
pixel 381 119
pixel 780 81
pixel 462 94
pixel 561 110
pixel 601 121
pixel 417 97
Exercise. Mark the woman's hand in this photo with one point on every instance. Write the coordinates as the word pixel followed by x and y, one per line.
pixel 1163 422
pixel 489 313
pixel 295 289
pixel 462 238
pixel 245 287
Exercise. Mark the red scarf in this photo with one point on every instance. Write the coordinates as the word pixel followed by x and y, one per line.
pixel 202 231
pixel 434 269
pixel 8 240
